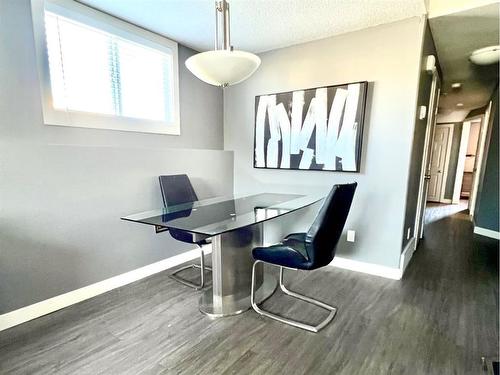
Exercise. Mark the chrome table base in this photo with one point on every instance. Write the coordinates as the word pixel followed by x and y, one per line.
pixel 232 263
pixel 235 304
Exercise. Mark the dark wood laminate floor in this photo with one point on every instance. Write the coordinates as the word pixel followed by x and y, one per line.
pixel 439 320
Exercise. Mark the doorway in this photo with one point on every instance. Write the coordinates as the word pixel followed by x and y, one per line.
pixel 470 158
pixel 461 185
pixel 467 155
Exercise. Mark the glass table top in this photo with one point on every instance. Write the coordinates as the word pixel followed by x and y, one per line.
pixel 214 216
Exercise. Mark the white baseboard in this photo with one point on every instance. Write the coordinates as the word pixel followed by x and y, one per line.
pixel 50 305
pixel 445 200
pixel 376 269
pixel 406 255
pixel 487 232
pixel 369 268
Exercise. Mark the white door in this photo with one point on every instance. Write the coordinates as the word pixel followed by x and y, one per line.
pixel 438 162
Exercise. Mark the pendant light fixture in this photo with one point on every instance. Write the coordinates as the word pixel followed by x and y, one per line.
pixel 223 66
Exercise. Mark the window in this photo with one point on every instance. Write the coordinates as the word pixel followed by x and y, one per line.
pixel 99 72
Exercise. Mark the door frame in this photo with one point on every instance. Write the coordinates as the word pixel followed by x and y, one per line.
pixel 480 155
pixel 418 230
pixel 447 158
pixel 462 152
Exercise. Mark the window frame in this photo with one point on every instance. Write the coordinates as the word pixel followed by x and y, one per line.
pixel 112 25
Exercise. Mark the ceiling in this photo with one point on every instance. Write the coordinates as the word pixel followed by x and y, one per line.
pixel 262 25
pixel 456 36
pixel 258 25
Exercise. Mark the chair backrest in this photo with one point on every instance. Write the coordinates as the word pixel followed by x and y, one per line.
pixel 176 189
pixel 325 232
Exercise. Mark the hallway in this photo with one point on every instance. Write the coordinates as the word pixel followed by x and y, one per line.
pixel 440 319
pixel 438 211
pixel 461 269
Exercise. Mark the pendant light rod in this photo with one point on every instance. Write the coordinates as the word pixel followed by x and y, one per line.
pixel 222 22
pixel 216 45
pixel 227 26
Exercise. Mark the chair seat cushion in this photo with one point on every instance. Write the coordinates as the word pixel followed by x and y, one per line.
pixel 290 253
pixel 187 237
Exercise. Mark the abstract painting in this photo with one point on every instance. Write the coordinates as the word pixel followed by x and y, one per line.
pixel 312 129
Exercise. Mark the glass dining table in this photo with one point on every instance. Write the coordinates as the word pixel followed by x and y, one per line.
pixel 235 225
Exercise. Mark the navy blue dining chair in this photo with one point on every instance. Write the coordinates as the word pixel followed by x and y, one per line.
pixel 177 189
pixel 308 251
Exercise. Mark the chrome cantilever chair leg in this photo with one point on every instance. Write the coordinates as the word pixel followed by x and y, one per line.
pixel 311 328
pixel 201 267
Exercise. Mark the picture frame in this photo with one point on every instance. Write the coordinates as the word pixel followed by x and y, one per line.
pixel 311 129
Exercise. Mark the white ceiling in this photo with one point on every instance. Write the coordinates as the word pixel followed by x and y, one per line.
pixel 258 25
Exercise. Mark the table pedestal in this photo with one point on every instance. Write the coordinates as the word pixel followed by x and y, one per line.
pixel 232 273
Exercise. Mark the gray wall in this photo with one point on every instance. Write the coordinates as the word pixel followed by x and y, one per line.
pixel 388 57
pixel 487 214
pixel 63 190
pixel 452 168
pixel 200 104
pixel 477 112
pixel 417 147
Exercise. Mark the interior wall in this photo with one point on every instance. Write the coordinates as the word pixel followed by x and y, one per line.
pixel 200 103
pixel 487 206
pixel 386 56
pixel 63 190
pixel 417 145
pixel 452 116
pixel 477 111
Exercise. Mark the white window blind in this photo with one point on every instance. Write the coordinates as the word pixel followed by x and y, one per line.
pixel 94 71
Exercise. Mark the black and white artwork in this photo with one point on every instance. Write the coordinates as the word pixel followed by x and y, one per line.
pixel 313 129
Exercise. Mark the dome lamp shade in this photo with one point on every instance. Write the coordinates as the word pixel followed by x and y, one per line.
pixel 486 56
pixel 223 66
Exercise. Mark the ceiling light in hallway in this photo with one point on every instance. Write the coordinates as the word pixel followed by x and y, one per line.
pixel 486 56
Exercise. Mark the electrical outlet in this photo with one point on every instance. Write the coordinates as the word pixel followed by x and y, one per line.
pixel 408 233
pixel 351 234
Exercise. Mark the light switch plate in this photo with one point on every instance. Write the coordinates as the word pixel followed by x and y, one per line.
pixel 430 63
pixel 423 112
pixel 351 234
